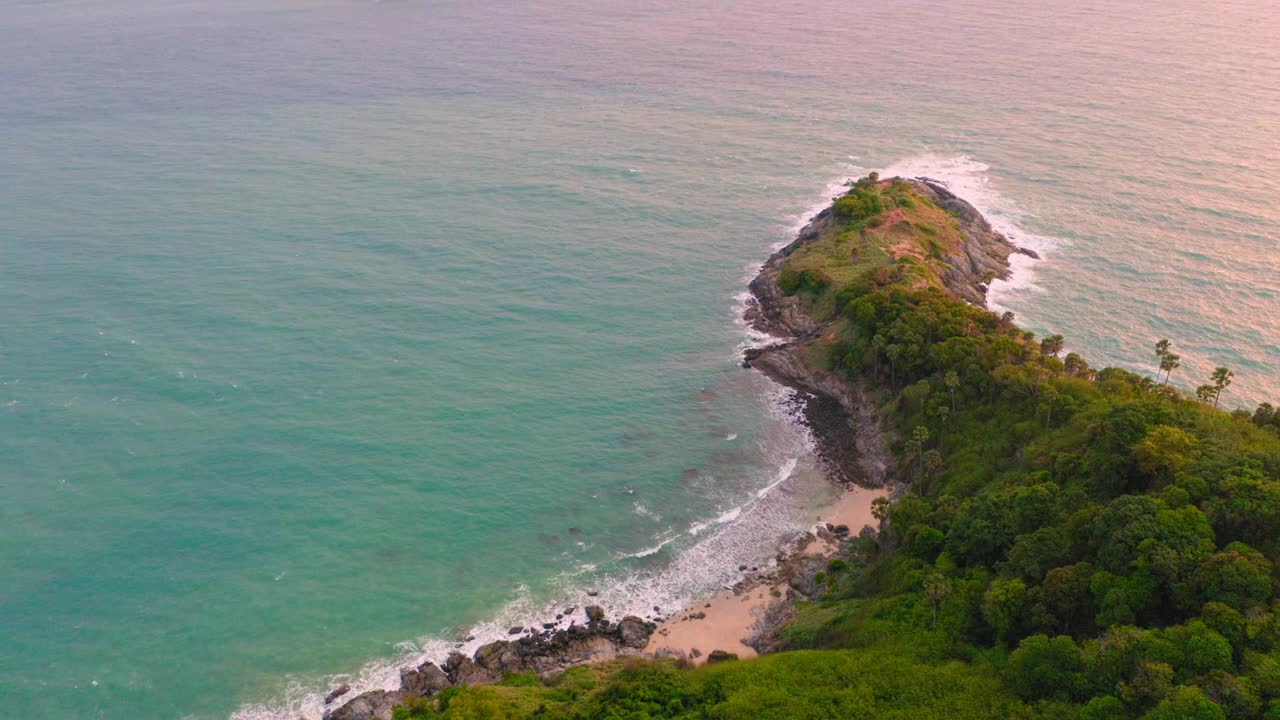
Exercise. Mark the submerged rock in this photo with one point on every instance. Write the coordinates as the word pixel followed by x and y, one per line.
pixel 336 693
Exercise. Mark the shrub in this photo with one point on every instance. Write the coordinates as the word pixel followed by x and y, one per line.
pixel 859 205
pixel 792 281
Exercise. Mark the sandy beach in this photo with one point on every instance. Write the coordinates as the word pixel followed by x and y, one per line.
pixel 724 620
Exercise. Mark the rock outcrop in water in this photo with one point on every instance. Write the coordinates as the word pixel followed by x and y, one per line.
pixel 546 653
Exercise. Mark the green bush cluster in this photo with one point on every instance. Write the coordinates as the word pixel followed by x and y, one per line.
pixel 792 281
pixel 858 205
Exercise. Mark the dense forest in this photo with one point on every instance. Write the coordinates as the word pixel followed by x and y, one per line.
pixel 1073 543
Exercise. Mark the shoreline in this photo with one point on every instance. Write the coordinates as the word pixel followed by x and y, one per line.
pixel 740 617
pixel 735 620
pixel 852 449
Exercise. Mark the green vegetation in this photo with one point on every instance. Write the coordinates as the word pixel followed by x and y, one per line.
pixel 873 683
pixel 1076 543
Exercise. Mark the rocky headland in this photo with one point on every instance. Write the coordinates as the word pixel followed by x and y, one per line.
pixel 965 257
pixel 838 409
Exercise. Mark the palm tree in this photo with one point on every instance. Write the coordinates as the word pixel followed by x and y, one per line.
pixel 1168 363
pixel 880 508
pixel 1221 379
pixel 894 352
pixel 1048 396
pixel 953 383
pixel 1162 351
pixel 877 343
pixel 936 588
pixel 915 446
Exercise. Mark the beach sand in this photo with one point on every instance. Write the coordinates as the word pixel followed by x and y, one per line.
pixel 724 620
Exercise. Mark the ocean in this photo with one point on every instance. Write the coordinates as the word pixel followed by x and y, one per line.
pixel 335 331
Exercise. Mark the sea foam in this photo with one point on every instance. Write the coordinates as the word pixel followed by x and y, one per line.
pixel 969 179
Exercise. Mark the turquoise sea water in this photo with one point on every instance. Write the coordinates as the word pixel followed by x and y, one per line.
pixel 334 329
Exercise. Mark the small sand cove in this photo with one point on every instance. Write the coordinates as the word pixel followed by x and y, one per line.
pixel 731 617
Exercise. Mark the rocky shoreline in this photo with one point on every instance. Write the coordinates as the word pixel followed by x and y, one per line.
pixel 851 443
pixel 547 653
pixel 839 412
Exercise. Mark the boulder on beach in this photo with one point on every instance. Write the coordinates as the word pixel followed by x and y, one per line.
pixel 670 652
pixel 634 632
pixel 719 656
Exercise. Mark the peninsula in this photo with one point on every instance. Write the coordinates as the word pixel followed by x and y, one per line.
pixel 1026 536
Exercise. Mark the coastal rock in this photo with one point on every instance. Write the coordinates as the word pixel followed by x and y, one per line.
pixel 423 681
pixel 462 670
pixel 719 656
pixel 336 693
pixel 985 254
pixel 800 571
pixel 498 657
pixel 373 705
pixel 634 632
pixel 669 652
pixel 546 653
